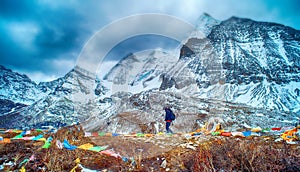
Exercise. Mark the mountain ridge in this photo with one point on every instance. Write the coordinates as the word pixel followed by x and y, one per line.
pixel 239 69
pixel 234 54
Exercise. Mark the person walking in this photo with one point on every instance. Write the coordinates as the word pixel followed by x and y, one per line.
pixel 169 117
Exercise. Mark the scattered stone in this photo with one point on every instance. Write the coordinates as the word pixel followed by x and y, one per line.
pixel 148 140
pixel 291 142
pixel 278 140
pixel 164 164
pixel 190 147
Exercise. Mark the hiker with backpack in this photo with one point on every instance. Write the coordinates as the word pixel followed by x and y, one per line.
pixel 169 117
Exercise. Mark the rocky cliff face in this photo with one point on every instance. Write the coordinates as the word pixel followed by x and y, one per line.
pixel 69 100
pixel 244 61
pixel 141 71
pixel 18 88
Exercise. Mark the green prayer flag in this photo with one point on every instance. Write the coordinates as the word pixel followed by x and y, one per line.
pixel 140 135
pixel 101 134
pixel 39 130
pixel 266 130
pixel 18 137
pixel 216 133
pixel 46 145
pixel 24 161
pixel 97 148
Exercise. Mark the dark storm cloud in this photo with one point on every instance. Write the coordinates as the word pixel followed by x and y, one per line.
pixel 45 37
pixel 33 34
pixel 15 9
pixel 60 31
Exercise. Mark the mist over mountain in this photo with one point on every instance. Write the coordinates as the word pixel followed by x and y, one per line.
pixel 240 71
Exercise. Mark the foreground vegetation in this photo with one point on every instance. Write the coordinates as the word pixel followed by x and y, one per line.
pixel 214 153
pixel 252 154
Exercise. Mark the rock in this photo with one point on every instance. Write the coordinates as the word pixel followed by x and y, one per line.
pixel 190 147
pixel 164 164
pixel 278 140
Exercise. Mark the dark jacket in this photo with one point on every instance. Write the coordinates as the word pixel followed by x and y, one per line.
pixel 168 116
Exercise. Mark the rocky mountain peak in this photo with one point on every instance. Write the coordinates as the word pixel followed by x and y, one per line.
pixel 9 74
pixel 18 88
pixel 141 69
pixel 205 23
pixel 246 61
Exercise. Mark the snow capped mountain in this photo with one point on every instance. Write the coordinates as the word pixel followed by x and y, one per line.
pixel 239 71
pixel 205 23
pixel 7 106
pixel 140 71
pixel 144 113
pixel 244 61
pixel 18 88
pixel 69 101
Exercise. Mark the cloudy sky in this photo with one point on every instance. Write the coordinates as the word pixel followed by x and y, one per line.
pixel 44 38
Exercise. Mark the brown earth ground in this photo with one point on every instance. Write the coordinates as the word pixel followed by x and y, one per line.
pixel 157 153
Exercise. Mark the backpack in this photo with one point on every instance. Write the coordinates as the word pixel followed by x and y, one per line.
pixel 173 117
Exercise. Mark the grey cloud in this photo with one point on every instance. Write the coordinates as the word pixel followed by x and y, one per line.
pixel 65 26
pixel 59 33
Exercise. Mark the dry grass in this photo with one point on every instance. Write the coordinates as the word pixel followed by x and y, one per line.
pixel 54 159
pixel 218 154
pixel 253 154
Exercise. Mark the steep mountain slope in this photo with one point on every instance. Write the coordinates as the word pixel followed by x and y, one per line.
pixel 143 112
pixel 236 75
pixel 18 88
pixel 243 61
pixel 205 23
pixel 7 106
pixel 72 99
pixel 141 71
pixel 239 72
